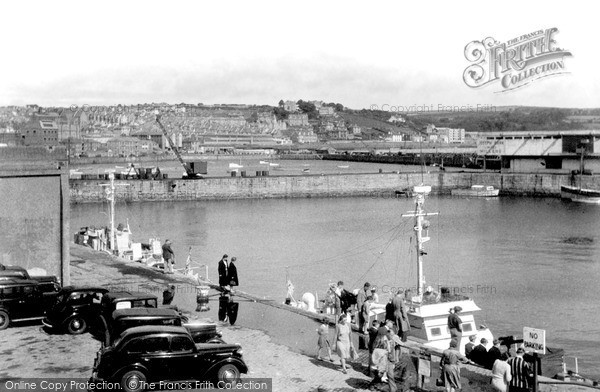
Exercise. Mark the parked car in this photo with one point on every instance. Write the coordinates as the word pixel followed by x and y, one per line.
pixel 144 356
pixel 48 283
pixel 136 317
pixel 20 300
pixel 112 301
pixel 75 309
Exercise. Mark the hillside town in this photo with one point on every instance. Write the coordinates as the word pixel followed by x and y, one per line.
pixel 131 130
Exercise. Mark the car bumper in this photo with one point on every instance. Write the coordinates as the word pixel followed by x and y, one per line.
pixel 48 323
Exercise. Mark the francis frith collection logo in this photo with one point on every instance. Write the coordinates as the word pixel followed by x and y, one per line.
pixel 516 62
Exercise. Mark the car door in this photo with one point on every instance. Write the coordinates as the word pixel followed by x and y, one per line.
pixel 30 302
pixel 183 361
pixel 155 356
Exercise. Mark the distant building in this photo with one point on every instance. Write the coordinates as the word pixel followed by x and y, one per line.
pixel 40 130
pixel 396 119
pixel 541 150
pixel 318 104
pixel 304 137
pixel 326 111
pixel 297 120
pixel 153 135
pixel 126 146
pixel 453 135
pixel 290 106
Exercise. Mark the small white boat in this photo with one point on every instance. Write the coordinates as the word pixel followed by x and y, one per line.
pixel 235 166
pixel 307 170
pixel 477 191
pixel 343 166
pixel 273 164
pixel 264 162
pixel 580 195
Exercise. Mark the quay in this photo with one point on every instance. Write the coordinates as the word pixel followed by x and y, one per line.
pixel 27 350
pixel 377 185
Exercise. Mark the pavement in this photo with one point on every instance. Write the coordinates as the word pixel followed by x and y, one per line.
pixel 29 351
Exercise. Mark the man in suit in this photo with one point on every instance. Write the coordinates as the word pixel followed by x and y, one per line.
pixel 479 355
pixel 223 271
pixel 400 315
pixel 494 353
pixel 232 275
pixel 470 346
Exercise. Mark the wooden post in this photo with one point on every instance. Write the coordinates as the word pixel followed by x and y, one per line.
pixel 535 372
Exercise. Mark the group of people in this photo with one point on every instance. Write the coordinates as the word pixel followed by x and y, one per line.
pixel 228 276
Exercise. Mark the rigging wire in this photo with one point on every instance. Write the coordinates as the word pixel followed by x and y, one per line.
pixel 369 246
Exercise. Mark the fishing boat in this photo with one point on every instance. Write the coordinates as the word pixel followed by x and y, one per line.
pixel 428 317
pixel 577 193
pixel 580 195
pixel 477 191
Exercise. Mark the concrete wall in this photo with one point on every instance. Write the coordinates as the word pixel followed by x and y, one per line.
pixel 34 212
pixel 83 191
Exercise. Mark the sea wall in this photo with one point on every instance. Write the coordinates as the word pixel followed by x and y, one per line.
pixel 338 185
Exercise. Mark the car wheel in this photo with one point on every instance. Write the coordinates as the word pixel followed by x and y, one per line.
pixel 133 381
pixel 228 373
pixel 76 325
pixel 4 319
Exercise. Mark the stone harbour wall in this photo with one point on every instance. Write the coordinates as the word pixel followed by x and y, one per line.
pixel 337 185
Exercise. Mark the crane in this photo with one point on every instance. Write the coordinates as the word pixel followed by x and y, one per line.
pixel 189 173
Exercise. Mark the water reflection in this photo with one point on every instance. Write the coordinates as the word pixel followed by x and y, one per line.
pixel 228 309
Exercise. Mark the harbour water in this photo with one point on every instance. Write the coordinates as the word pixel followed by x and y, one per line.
pixel 525 262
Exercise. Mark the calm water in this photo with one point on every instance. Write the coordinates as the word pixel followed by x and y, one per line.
pixel 526 262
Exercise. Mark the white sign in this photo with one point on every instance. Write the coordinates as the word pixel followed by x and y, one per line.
pixel 534 340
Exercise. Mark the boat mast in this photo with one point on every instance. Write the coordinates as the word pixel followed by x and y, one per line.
pixel 420 192
pixel 110 196
pixel 582 147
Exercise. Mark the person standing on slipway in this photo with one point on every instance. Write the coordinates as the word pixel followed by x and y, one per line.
pixel 223 271
pixel 168 256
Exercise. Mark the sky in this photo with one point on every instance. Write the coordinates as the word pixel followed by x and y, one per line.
pixel 386 54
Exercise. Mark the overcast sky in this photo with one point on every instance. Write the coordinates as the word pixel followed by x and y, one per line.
pixel 357 53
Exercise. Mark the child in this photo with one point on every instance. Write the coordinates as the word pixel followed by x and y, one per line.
pixel 323 342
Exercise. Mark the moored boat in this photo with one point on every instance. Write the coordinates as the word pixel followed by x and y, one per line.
pixel 477 191
pixel 580 195
pixel 428 314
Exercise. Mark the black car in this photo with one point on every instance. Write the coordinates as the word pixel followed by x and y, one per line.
pixel 20 300
pixel 47 283
pixel 142 357
pixel 136 317
pixel 112 301
pixel 75 309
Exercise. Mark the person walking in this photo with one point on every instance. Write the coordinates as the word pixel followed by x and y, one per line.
pixel 361 297
pixel 223 271
pixel 364 314
pixel 232 275
pixel 520 370
pixel 455 325
pixel 342 341
pixel 323 342
pixel 373 331
pixel 501 375
pixel 168 256
pixel 450 367
pixel 400 315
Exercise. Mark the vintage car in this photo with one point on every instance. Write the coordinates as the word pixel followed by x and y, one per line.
pixel 47 284
pixel 136 317
pixel 142 357
pixel 116 300
pixel 75 309
pixel 20 300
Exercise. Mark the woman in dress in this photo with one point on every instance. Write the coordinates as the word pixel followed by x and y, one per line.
pixel 323 342
pixel 342 340
pixel 450 366
pixel 501 375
